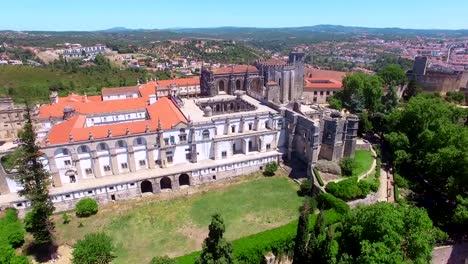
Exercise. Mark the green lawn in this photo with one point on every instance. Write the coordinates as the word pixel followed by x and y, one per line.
pixel 363 160
pixel 178 226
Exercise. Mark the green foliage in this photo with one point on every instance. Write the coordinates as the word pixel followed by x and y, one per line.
pixel 10 160
pixel 318 177
pixel 400 181
pixel 349 189
pixel 162 260
pixel 392 75
pixel 215 248
pixel 396 193
pixel 385 59
pixel 8 256
pixel 335 101
pixel 11 228
pixel 347 166
pixel 460 215
pixel 66 218
pixel 362 91
pixel 306 188
pixel 94 248
pixel 302 234
pixel 271 168
pixel 35 181
pixel 390 100
pixel 327 201
pixel 86 207
pixel 387 233
pixel 456 97
pixel 365 125
pixel 412 90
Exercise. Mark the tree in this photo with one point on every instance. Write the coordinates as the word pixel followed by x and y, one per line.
pixel 362 91
pixel 95 248
pixel 35 181
pixel 455 97
pixel 347 166
pixel 302 234
pixel 388 233
pixel 216 250
pixel 393 75
pixel 390 100
pixel 412 90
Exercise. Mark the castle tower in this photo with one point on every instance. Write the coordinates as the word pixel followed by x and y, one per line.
pixel 352 125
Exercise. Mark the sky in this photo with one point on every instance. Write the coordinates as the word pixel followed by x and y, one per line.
pixel 82 15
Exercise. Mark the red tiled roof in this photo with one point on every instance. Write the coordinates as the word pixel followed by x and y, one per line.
pixel 163 111
pixel 235 69
pixel 119 90
pixel 317 73
pixel 322 83
pixel 148 89
pixel 273 61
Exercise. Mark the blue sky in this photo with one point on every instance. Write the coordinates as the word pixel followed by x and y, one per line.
pixel 102 14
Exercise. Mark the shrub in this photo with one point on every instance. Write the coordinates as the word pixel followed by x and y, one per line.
pixel 347 166
pixel 328 201
pixel 319 178
pixel 11 228
pixel 271 168
pixel 347 189
pixel 27 221
pixel 94 248
pixel 378 167
pixel 306 188
pixel 86 207
pixel 162 260
pixel 66 218
pixel 400 181
pixel 396 192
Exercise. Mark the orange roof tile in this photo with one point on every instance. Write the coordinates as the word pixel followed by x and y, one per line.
pixel 318 73
pixel 235 69
pixel 322 83
pixel 163 111
pixel 148 89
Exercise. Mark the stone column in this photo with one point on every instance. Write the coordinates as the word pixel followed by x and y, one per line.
pixel 256 123
pixel 215 150
pixel 96 165
pixel 150 155
pixel 76 163
pixel 131 157
pixel 114 162
pixel 175 182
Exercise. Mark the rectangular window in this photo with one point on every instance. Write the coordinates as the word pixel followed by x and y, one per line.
pixel 124 165
pixel 88 171
pixel 90 192
pixel 268 146
pixel 250 126
pixel 168 152
pixel 182 138
pixel 67 162
pixel 224 154
pixel 315 92
pixel 233 129
pixel 169 159
pixel 172 140
pixel 142 162
pixel 321 92
pixel 166 141
pixel 107 168
pixel 139 141
pixel 328 92
pixel 188 156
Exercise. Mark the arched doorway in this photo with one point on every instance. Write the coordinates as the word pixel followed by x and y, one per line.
pixel 238 85
pixel 221 87
pixel 184 179
pixel 146 186
pixel 165 183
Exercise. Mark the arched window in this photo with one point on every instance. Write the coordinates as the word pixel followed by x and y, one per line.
pixel 206 134
pixel 102 146
pixel 221 86
pixel 238 85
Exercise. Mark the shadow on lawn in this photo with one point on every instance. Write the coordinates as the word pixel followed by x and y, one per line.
pixel 42 253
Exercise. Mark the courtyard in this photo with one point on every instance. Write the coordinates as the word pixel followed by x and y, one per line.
pixel 166 225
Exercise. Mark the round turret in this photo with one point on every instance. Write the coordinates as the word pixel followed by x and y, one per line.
pixel 208 111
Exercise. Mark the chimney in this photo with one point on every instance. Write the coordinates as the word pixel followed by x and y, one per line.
pixel 85 98
pixel 153 99
pixel 109 133
pixel 53 97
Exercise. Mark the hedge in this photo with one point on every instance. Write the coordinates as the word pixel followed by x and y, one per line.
pixel 350 189
pixel 319 178
pixel 328 201
pixel 280 240
pixel 396 192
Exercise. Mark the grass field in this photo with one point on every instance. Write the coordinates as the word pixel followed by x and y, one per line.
pixel 363 160
pixel 178 226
